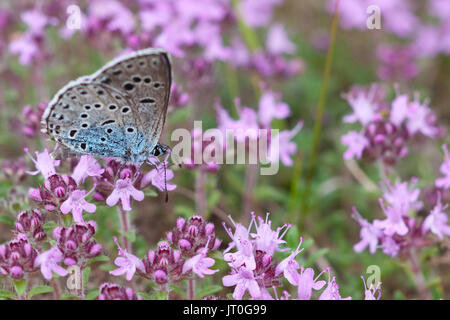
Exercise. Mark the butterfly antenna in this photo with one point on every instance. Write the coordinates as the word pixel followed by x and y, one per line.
pixel 165 183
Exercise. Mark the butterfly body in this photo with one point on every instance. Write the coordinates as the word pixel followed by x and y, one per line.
pixel 119 111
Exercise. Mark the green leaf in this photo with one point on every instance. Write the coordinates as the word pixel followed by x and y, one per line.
pixel 293 238
pixel 209 290
pixel 213 198
pixel 264 192
pixel 144 295
pixel 316 255
pixel 69 296
pixel 49 226
pixel 6 294
pixel 159 295
pixel 150 193
pixel 130 235
pixel 39 290
pixel 92 295
pixel 20 286
pixel 7 220
pixel 101 258
pixel 86 274
pixel 179 291
pixel 183 211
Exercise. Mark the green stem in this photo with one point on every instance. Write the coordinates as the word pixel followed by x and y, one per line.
pixel 191 289
pixel 319 111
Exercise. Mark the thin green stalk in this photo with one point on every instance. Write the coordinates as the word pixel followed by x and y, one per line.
pixel 319 112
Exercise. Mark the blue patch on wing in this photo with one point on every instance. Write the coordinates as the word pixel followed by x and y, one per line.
pixel 109 141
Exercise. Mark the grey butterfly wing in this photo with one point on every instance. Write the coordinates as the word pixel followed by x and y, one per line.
pixel 91 118
pixel 145 77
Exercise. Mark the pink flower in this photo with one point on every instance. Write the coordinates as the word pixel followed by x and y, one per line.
pixel 369 293
pixel 127 263
pixel 306 283
pixel 36 21
pixel 399 109
pixel 284 149
pixel 44 163
pixel 265 238
pixel 245 127
pixel 356 143
pixel 87 166
pixel 123 190
pixel 394 223
pixel 436 221
pixel 278 41
pixel 285 266
pixel 26 47
pixel 369 234
pixel 243 280
pixel 244 254
pixel 421 119
pixel 331 292
pixel 257 13
pixel 364 106
pixel 77 203
pixel 271 107
pixel 403 197
pixel 48 261
pixel 444 182
pixel 159 177
pixel 199 264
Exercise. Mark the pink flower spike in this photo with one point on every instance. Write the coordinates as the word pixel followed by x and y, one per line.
pixel 127 263
pixel 48 261
pixel 77 203
pixel 44 163
pixel 123 190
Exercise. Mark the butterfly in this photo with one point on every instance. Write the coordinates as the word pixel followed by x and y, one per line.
pixel 118 111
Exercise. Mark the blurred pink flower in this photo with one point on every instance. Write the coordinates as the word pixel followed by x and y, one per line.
pixel 278 41
pixel 394 222
pixel 26 47
pixel 364 105
pixel 444 182
pixel 436 221
pixel 257 13
pixel 369 234
pixel 403 197
pixel 356 143
pixel 331 292
pixel 44 163
pixel 271 107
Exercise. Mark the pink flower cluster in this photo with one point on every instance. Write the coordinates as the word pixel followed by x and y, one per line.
pixel 386 126
pixel 177 259
pixel 400 230
pixel 254 268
